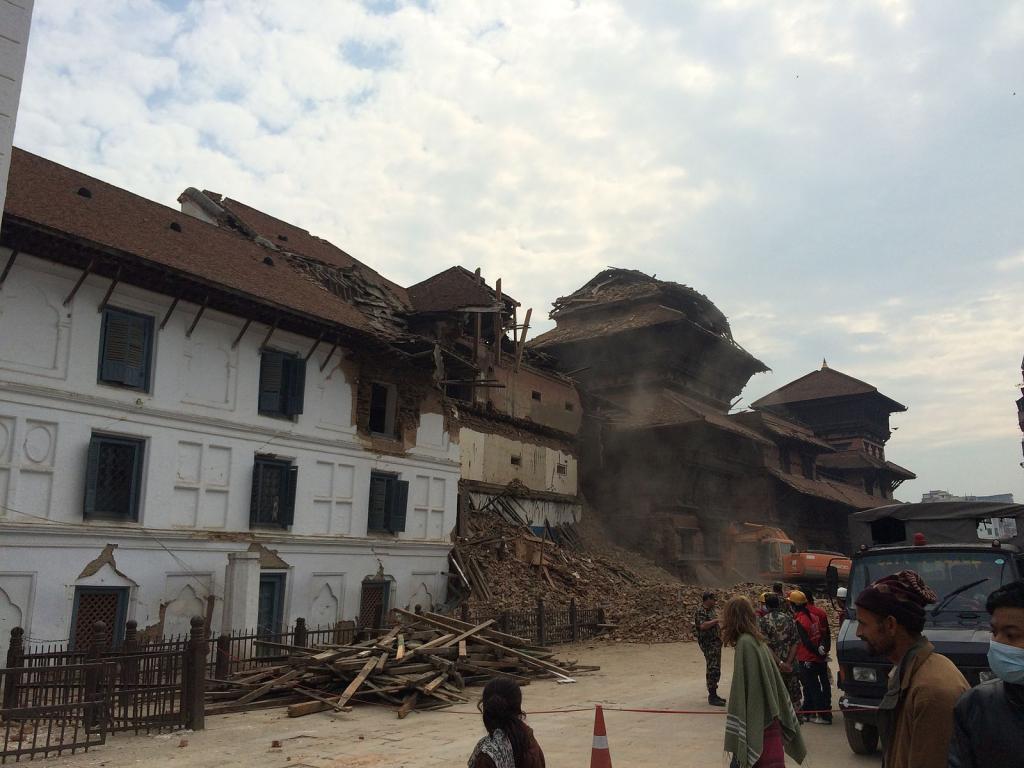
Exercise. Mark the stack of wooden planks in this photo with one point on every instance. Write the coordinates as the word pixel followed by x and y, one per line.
pixel 424 662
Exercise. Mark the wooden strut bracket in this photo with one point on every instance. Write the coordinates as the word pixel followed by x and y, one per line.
pixel 241 333
pixel 327 359
pixel 7 269
pixel 110 290
pixel 497 323
pixel 266 339
pixel 78 283
pixel 199 314
pixel 170 311
pixel 315 345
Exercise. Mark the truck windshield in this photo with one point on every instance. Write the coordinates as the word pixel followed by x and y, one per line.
pixel 944 572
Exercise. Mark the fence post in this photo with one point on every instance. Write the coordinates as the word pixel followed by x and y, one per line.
pixel 130 664
pixel 97 645
pixel 301 638
pixel 540 622
pixel 222 662
pixel 195 676
pixel 573 622
pixel 465 612
pixel 15 658
pixel 600 620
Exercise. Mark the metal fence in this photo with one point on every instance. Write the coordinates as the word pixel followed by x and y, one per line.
pixel 57 699
pixel 543 625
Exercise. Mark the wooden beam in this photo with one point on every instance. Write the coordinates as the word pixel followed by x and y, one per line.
pixel 81 279
pixel 199 314
pixel 330 354
pixel 266 339
pixel 497 323
pixel 315 345
pixel 522 341
pixel 7 269
pixel 110 290
pixel 170 311
pixel 241 333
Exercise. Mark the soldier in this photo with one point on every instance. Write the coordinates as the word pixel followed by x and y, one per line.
pixel 783 639
pixel 709 638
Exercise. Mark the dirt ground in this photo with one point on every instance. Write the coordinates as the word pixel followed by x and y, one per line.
pixel 632 676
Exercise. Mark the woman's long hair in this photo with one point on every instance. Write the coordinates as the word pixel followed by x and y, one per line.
pixel 502 706
pixel 738 618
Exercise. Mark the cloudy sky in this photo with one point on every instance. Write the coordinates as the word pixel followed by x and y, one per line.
pixel 844 179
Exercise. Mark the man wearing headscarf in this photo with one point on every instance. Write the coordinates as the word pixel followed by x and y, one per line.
pixel 916 714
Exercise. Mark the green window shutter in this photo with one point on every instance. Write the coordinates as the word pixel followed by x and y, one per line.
pixel 295 376
pixel 272 381
pixel 377 517
pixel 136 482
pixel 92 470
pixel 399 505
pixel 125 348
pixel 254 500
pixel 287 507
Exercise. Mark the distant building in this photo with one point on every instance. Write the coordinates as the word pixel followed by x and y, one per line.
pixel 998 498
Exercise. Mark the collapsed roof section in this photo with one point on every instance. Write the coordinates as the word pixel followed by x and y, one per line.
pixel 625 327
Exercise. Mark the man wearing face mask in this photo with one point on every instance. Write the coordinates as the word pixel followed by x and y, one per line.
pixel 989 719
pixel 915 717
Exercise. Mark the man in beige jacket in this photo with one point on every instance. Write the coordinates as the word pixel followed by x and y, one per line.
pixel 916 714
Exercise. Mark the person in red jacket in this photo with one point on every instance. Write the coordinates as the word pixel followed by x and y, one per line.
pixel 812 658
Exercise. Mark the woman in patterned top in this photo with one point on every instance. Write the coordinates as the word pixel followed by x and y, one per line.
pixel 509 742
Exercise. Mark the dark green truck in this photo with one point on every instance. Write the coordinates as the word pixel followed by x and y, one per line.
pixel 964 551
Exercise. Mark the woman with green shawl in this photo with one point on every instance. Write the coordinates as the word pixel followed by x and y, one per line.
pixel 761 726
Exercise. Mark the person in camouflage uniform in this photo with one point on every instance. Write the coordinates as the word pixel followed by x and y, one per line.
pixel 709 638
pixel 780 632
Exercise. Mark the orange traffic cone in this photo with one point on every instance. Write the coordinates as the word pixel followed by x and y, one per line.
pixel 600 757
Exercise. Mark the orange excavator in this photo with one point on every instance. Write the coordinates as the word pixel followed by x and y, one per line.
pixel 756 552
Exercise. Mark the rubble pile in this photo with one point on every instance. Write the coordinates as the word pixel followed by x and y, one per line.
pixel 508 567
pixel 424 662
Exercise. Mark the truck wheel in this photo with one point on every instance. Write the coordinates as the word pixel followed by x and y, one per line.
pixel 863 741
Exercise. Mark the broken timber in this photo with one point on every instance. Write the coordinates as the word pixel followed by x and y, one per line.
pixel 422 662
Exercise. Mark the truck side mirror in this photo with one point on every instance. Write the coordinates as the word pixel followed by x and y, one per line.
pixel 832 581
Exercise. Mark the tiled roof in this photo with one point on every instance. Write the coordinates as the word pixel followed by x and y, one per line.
pixel 451 290
pixel 666 408
pixel 782 428
pixel 46 196
pixel 291 238
pixel 828 490
pixel 862 460
pixel 600 327
pixel 817 385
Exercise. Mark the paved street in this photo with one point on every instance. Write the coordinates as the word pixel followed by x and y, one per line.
pixel 632 676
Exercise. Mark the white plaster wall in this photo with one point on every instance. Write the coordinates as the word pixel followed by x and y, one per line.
pixel 487 458
pixel 15 20
pixel 322 584
pixel 202 431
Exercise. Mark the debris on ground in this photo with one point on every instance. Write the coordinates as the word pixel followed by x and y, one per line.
pixel 424 662
pixel 508 567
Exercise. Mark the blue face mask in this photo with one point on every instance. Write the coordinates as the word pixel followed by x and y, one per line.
pixel 1007 661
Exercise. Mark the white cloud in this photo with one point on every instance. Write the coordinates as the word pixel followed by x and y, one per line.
pixel 827 173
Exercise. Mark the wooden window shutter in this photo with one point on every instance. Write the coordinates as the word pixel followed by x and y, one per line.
pixel 257 494
pixel 399 504
pixel 126 348
pixel 295 376
pixel 287 506
pixel 377 517
pixel 272 381
pixel 92 470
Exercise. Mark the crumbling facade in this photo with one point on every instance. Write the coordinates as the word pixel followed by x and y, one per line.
pixel 211 411
pixel 676 475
